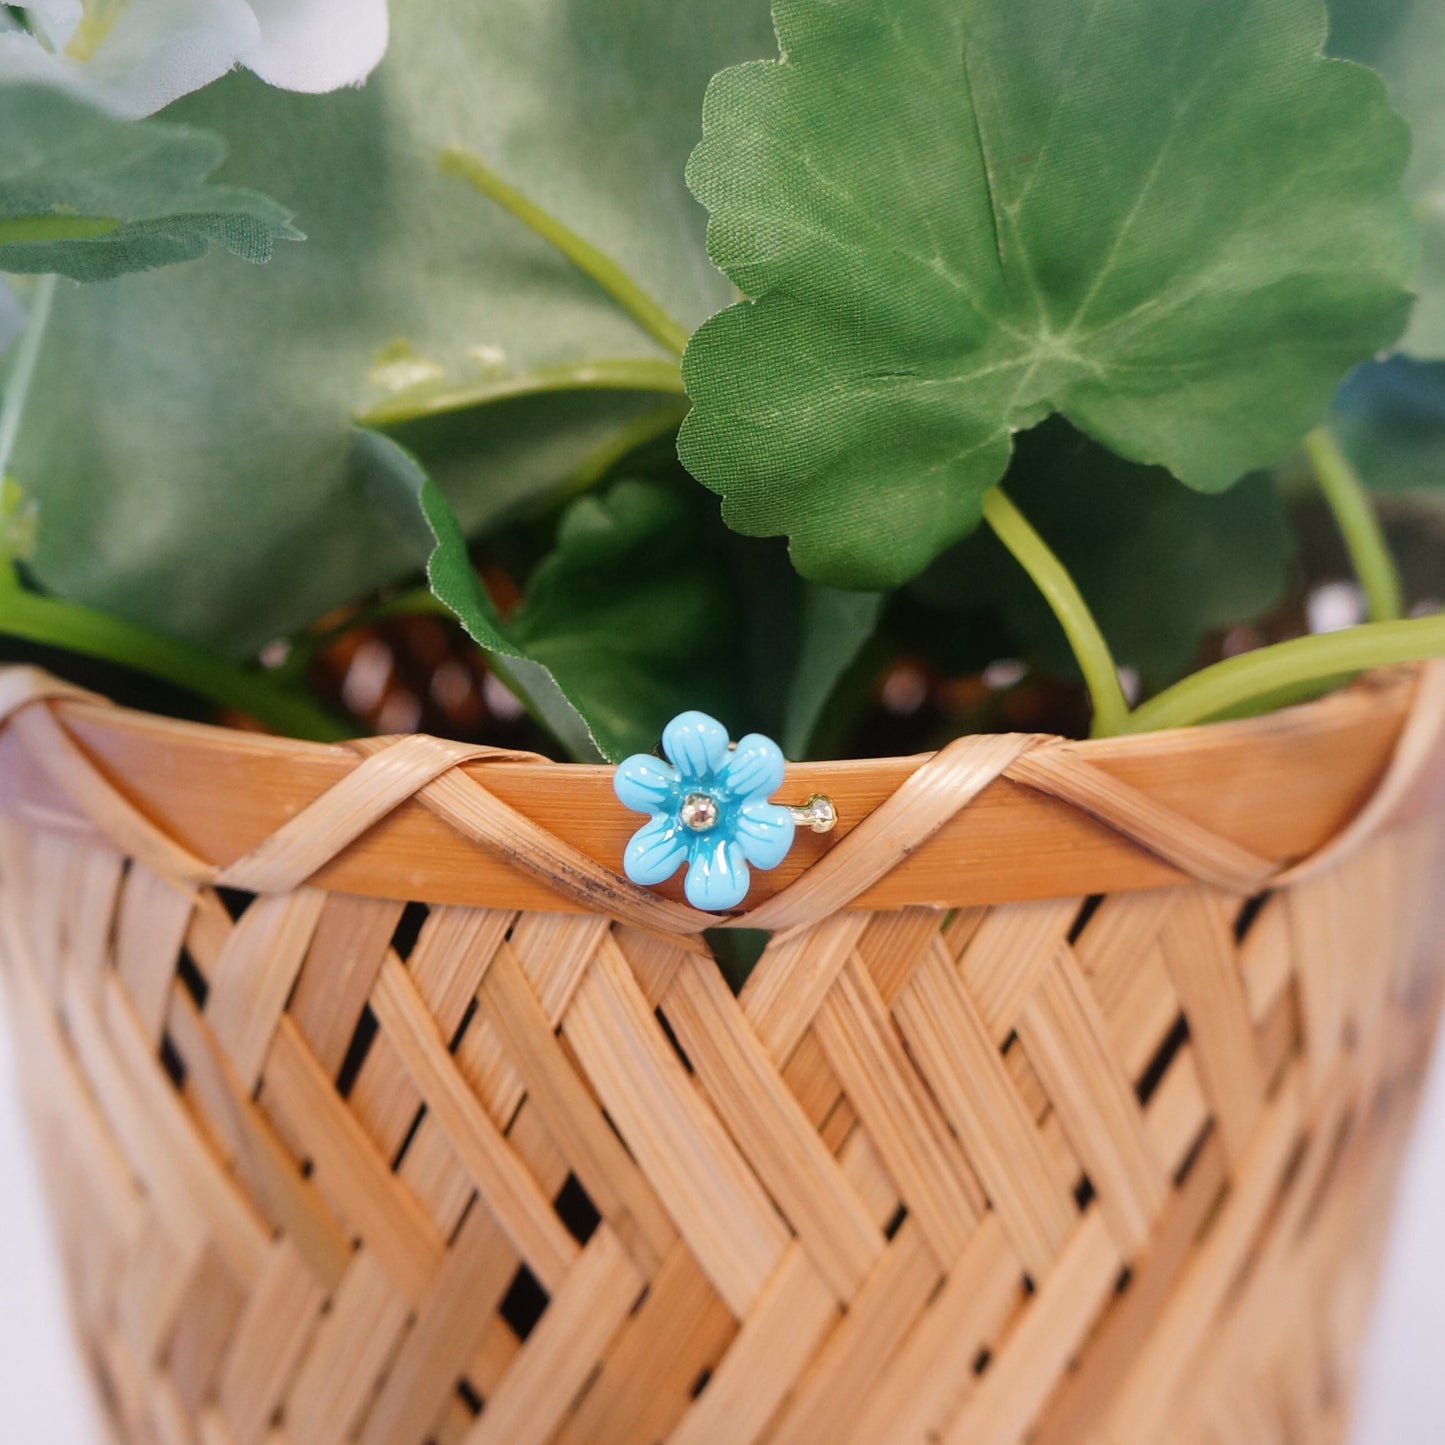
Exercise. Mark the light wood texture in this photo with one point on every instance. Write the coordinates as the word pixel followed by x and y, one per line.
pixel 362 1154
pixel 1274 788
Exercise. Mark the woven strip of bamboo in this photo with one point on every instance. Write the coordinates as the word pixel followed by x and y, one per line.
pixel 336 1164
pixel 986 820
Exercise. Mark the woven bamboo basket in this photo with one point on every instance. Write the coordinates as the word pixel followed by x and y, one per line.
pixel 1064 1104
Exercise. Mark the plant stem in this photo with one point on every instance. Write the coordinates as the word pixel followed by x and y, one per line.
pixel 581 253
pixel 22 373
pixel 1096 662
pixel 20 229
pixel 1358 524
pixel 54 623
pixel 636 374
pixel 1239 680
pixel 1291 695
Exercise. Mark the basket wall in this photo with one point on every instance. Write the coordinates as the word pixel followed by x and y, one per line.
pixel 328 1167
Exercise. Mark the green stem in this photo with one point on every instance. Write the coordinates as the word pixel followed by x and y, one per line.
pixel 1358 524
pixel 27 354
pixel 581 253
pixel 1239 680
pixel 1096 662
pixel 54 623
pixel 21 229
pixel 1281 697
pixel 638 374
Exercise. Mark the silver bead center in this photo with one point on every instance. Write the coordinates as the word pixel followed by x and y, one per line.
pixel 699 812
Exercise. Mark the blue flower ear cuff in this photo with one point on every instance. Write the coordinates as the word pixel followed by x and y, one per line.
pixel 708 807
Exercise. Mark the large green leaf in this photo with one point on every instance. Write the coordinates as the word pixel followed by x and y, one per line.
pixel 634 614
pixel 93 197
pixel 625 623
pixel 645 606
pixel 189 437
pixel 1405 41
pixel 1176 224
pixel 455 582
pixel 797 642
pixel 1160 566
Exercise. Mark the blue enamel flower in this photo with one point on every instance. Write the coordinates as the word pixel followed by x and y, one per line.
pixel 708 807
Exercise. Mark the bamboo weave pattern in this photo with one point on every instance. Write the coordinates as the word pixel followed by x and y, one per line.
pixel 333 1168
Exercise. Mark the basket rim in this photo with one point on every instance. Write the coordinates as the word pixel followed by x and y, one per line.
pixel 1279 786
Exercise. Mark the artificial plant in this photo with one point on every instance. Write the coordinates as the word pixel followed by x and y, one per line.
pixel 1033 328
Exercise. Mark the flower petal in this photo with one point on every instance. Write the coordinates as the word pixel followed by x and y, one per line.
pixel 646 784
pixel 55 20
pixel 164 49
pixel 754 769
pixel 24 60
pixel 764 832
pixel 717 877
pixel 656 851
pixel 154 53
pixel 697 743
pixel 317 45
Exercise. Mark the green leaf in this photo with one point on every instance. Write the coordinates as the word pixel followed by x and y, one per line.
pixel 1390 419
pixel 455 582
pixel 12 316
pixel 627 621
pixel 834 625
pixel 19 523
pixel 797 641
pixel 93 197
pixel 633 614
pixel 1405 41
pixel 190 439
pixel 1175 224
pixel 1160 567
pixel 737 951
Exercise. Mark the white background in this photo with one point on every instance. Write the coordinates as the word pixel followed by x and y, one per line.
pixel 44 1400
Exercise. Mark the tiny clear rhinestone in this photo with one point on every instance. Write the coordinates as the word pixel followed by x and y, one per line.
pixel 699 812
pixel 818 814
